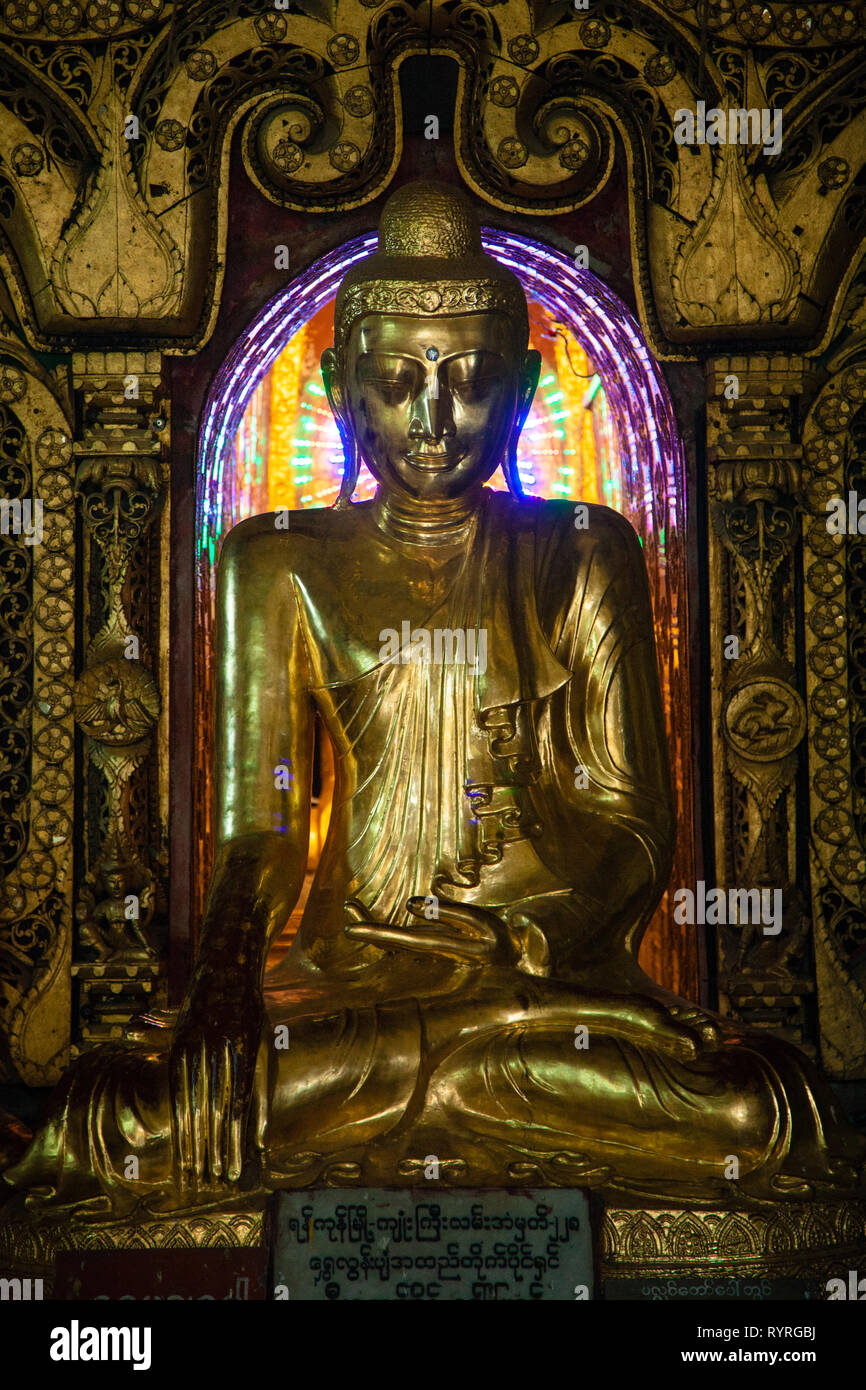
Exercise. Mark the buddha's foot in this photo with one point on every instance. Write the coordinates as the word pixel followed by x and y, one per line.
pixel 681 1030
pixel 832 1179
pixel 706 1027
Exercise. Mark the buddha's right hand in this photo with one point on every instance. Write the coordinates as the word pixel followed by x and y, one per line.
pixel 465 933
pixel 212 1067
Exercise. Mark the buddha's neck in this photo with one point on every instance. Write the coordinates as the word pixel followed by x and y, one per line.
pixel 425 522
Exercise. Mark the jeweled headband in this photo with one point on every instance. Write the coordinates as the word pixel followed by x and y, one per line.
pixel 430 261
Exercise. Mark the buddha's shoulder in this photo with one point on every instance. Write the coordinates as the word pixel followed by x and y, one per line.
pixel 287 537
pixel 577 525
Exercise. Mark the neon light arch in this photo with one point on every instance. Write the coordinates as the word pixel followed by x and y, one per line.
pixel 641 407
pixel 653 497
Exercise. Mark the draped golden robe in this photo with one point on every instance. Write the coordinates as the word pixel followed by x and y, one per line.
pixel 527 791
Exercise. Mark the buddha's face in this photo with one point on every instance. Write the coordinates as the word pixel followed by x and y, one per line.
pixel 432 402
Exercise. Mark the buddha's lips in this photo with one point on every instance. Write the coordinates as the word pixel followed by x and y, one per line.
pixel 433 461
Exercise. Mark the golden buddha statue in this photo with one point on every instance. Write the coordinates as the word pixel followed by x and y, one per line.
pixel 464 981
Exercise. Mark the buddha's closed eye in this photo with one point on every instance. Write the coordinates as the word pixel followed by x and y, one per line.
pixel 391 391
pixel 475 388
pixel 392 381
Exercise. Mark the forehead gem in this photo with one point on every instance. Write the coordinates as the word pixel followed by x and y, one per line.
pixel 432 354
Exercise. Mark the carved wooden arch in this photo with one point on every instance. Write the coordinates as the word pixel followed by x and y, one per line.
pixel 538 102
pixel 543 91
pixel 320 128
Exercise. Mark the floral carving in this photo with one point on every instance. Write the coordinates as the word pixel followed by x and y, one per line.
pixel 27 160
pixel 343 49
pixel 201 64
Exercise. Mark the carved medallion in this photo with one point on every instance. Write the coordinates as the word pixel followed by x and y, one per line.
pixel 764 720
pixel 116 702
pixel 27 160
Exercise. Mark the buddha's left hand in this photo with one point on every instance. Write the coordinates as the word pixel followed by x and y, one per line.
pixel 474 936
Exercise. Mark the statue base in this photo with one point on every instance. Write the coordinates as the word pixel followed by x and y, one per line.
pixel 212 1253
pixel 786 1251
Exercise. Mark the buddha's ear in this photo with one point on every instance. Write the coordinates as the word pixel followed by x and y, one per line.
pixel 333 379
pixel 529 374
pixel 526 386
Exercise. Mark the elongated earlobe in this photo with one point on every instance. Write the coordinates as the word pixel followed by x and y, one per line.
pixel 509 468
pixel 331 377
pixel 351 464
pixel 529 383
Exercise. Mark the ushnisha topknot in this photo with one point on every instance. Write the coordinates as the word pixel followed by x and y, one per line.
pixel 430 261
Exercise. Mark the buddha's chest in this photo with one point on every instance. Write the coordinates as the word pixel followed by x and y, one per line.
pixel 370 610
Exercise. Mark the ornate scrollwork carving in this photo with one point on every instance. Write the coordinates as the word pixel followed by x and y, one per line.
pixel 116 699
pixel 582 140
pixel 760 717
pixel 544 142
pixel 540 98
pixel 36 747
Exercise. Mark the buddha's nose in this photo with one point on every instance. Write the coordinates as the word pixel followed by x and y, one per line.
pixel 431 416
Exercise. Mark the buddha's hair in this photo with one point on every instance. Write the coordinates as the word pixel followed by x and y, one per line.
pixel 429 261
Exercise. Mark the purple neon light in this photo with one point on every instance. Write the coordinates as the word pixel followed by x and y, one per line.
pixel 638 398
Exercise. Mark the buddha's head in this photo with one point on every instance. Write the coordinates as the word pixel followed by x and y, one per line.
pixel 430 377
